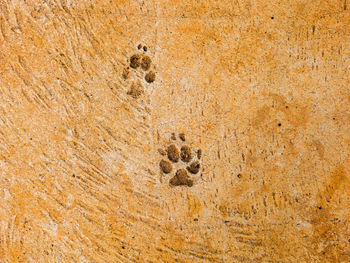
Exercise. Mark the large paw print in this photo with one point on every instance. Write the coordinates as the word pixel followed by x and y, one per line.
pixel 183 159
pixel 139 61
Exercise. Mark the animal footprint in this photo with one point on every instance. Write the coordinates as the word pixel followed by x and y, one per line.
pixel 139 62
pixel 183 160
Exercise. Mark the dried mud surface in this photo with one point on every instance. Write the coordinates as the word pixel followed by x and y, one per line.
pixel 92 94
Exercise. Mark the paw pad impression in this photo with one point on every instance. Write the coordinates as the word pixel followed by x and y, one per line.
pixel 183 160
pixel 136 62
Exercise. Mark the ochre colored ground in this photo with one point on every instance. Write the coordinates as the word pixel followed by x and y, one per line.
pixel 260 87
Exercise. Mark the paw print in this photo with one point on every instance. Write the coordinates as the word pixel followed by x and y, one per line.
pixel 139 62
pixel 183 160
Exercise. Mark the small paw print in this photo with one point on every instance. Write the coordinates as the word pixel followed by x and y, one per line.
pixel 140 61
pixel 140 64
pixel 183 160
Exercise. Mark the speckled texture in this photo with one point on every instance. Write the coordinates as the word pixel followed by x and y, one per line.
pixel 261 87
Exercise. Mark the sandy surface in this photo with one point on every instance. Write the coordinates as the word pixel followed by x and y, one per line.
pixel 93 93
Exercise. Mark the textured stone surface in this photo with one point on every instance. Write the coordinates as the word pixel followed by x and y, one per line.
pixel 261 87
